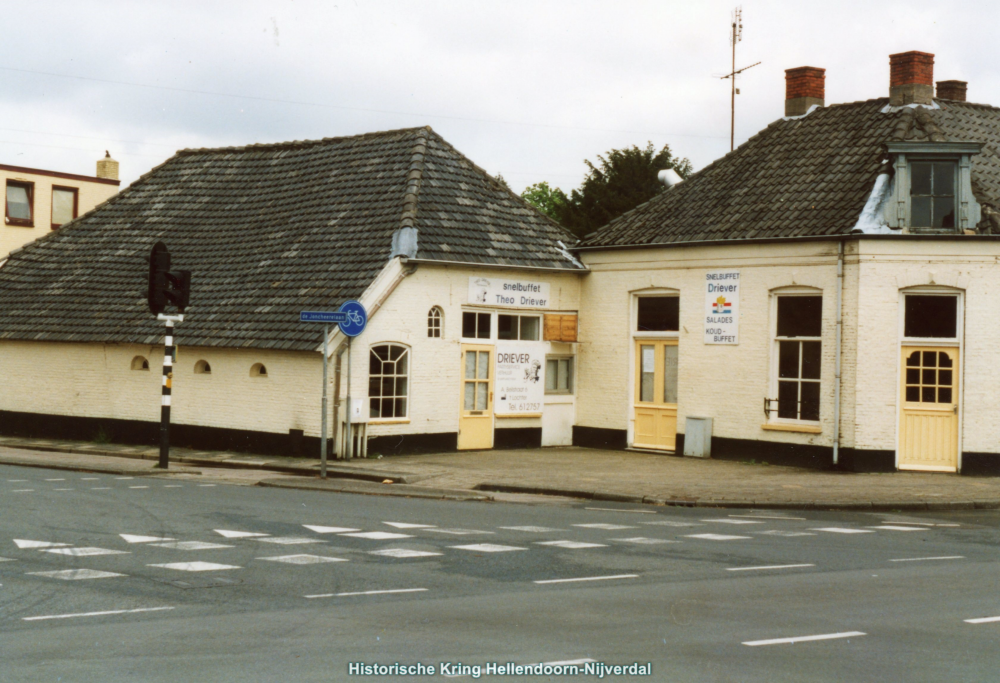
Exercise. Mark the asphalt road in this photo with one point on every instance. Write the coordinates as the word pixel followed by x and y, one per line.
pixel 156 579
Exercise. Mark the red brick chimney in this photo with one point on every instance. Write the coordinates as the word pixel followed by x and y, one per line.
pixel 911 78
pixel 804 87
pixel 952 90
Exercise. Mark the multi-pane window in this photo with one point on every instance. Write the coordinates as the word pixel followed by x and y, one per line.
pixel 64 205
pixel 932 194
pixel 388 381
pixel 799 346
pixel 930 377
pixel 658 314
pixel 476 383
pixel 434 319
pixel 524 327
pixel 476 325
pixel 20 198
pixel 559 376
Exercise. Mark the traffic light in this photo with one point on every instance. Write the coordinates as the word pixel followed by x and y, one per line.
pixel 166 287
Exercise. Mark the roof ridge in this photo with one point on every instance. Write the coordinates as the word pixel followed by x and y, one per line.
pixel 297 144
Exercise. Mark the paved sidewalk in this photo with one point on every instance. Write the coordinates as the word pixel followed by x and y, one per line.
pixel 574 472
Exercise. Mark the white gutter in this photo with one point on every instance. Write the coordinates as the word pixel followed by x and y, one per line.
pixel 836 371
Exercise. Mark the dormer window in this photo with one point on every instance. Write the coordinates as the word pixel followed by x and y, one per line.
pixel 932 192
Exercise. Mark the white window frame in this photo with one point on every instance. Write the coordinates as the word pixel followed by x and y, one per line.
pixel 772 392
pixel 479 340
pixel 572 375
pixel 435 322
pixel 538 326
pixel 408 396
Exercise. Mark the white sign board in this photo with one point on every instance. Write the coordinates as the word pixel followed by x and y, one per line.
pixel 722 307
pixel 489 291
pixel 520 379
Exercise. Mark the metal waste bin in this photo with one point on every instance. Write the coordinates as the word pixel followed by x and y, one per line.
pixel 698 437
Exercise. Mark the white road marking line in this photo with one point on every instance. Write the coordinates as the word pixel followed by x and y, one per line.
pixel 173 486
pixel 407 525
pixel 591 578
pixel 195 566
pixel 83 552
pixel 487 548
pixel 21 543
pixel 62 489
pixel 403 553
pixel 100 488
pixel 717 537
pixel 301 559
pixel 788 534
pixel 23 491
pixel 839 530
pixel 607 527
pixel 204 485
pixel 773 566
pixel 982 620
pixel 800 519
pixel 7 559
pixel 378 535
pixel 890 521
pixel 96 614
pixel 238 534
pixel 460 532
pixel 664 523
pixel 641 512
pixel 530 529
pixel 804 639
pixel 894 527
pixel 190 545
pixel 138 487
pixel 643 540
pixel 289 540
pixel 55 480
pixel 732 521
pixel 329 529
pixel 129 538
pixel 918 559
pixel 90 478
pixel 124 477
pixel 17 481
pixel 76 574
pixel 571 545
pixel 344 595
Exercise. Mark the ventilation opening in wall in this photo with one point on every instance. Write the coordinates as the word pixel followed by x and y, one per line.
pixel 258 370
pixel 140 363
pixel 202 368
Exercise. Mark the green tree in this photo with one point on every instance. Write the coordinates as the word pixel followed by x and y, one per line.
pixel 620 181
pixel 549 200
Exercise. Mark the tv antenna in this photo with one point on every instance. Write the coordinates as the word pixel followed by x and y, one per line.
pixel 736 37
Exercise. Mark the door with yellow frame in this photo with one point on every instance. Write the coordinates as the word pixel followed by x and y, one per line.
pixel 475 424
pixel 656 394
pixel 928 419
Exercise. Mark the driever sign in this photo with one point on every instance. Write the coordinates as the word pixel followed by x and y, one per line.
pixel 722 307
pixel 520 380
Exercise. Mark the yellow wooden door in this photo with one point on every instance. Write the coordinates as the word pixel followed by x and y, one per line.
pixel 475 424
pixel 928 420
pixel 656 395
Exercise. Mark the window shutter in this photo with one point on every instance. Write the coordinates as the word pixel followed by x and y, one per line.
pixel 560 328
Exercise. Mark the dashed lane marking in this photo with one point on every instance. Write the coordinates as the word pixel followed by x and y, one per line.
pixel 17 481
pixel 83 552
pixel 407 525
pixel 982 620
pixel 228 533
pixel 487 548
pixel 302 559
pixel 289 540
pixel 62 489
pixel 138 487
pixel 7 559
pixel 378 535
pixel 403 553
pixel 23 491
pixel 329 529
pixel 921 559
pixel 591 578
pixel 894 527
pixel 96 614
pixel 190 545
pixel 571 545
pixel 344 595
pixel 530 529
pixel 195 566
pixel 640 512
pixel 642 540
pixel 129 538
pixel 173 486
pixel 55 480
pixel 607 527
pixel 100 488
pixel 772 566
pixel 76 574
pixel 805 639
pixel 205 485
pixel 124 478
pixel 22 543
pixel 718 537
pixel 90 478
pixel 460 532
pixel 787 534
pixel 839 530
pixel 666 523
pixel 732 521
pixel 798 519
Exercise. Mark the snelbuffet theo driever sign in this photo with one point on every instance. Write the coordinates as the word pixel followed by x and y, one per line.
pixel 489 291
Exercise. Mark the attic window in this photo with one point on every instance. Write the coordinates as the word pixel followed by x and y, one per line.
pixel 932 191
pixel 932 194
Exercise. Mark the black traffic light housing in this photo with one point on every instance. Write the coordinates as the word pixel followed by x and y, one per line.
pixel 166 287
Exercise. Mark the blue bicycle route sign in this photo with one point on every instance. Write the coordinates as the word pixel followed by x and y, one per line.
pixel 352 318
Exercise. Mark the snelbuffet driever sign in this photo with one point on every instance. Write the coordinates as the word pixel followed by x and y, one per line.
pixel 722 307
pixel 489 291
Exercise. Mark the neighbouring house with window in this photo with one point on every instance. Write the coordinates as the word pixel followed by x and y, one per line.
pixel 37 202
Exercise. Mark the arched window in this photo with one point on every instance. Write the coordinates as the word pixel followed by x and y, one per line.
pixel 388 381
pixel 435 322
pixel 140 363
pixel 258 370
pixel 203 368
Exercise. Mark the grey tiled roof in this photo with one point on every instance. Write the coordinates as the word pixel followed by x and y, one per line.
pixel 267 230
pixel 807 176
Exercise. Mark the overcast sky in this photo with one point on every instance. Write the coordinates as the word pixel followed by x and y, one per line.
pixel 528 89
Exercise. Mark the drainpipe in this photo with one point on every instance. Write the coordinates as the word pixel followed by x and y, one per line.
pixel 836 372
pixel 336 396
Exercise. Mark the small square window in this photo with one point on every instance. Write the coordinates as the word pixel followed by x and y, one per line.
pixel 20 203
pixel 559 376
pixel 476 325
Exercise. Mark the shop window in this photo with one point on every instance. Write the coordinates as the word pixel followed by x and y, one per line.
pixel 203 368
pixel 930 317
pixel 435 320
pixel 558 375
pixel 799 355
pixel 522 327
pixel 258 370
pixel 140 363
pixel 658 314
pixel 20 203
pixel 476 325
pixel 388 381
pixel 64 205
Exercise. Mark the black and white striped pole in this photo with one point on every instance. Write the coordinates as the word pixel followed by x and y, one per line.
pixel 168 375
